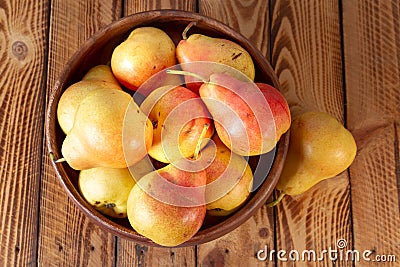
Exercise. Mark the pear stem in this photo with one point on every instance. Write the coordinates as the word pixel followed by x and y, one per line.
pixel 190 25
pixel 198 145
pixel 51 154
pixel 276 201
pixel 60 160
pixel 188 73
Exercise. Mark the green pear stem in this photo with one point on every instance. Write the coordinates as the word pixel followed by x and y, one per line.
pixel 198 145
pixel 190 25
pixel 51 154
pixel 276 201
pixel 60 160
pixel 188 73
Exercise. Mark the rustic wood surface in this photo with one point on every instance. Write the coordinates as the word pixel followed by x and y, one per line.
pixel 65 233
pixel 372 71
pixel 23 49
pixel 306 55
pixel 337 56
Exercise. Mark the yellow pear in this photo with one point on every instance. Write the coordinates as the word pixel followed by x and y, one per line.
pixel 109 131
pixel 100 73
pixel 146 51
pixel 99 77
pixel 320 148
pixel 107 189
pixel 229 180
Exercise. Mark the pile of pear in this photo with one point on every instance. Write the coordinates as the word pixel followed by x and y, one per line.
pixel 108 135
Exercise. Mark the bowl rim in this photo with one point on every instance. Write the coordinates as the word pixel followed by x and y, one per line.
pixel 204 235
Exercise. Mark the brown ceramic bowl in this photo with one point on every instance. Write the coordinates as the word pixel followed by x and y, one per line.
pixel 97 50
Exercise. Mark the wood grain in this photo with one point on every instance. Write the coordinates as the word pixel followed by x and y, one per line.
pixel 22 68
pixel 306 55
pixel 130 253
pixel 240 247
pixel 135 6
pixel 249 17
pixel 372 64
pixel 307 58
pixel 67 237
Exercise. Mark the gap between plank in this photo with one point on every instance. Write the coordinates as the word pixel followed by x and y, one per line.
pixel 43 149
pixel 271 4
pixel 342 52
pixel 115 251
pixel 397 160
pixel 116 238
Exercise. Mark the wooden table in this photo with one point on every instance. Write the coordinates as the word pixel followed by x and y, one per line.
pixel 341 57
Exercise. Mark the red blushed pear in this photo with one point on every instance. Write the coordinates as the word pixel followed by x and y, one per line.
pixel 244 119
pixel 158 207
pixel 279 108
pixel 198 47
pixel 145 52
pixel 229 180
pixel 178 116
pixel 168 205
pixel 241 114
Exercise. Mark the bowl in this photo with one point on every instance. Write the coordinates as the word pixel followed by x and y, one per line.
pixel 97 50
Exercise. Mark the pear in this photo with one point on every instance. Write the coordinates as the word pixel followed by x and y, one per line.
pixel 99 77
pixel 109 131
pixel 320 147
pixel 199 47
pixel 146 51
pixel 167 205
pixel 279 108
pixel 248 120
pixel 107 189
pixel 243 117
pixel 178 116
pixel 229 180
pixel 100 73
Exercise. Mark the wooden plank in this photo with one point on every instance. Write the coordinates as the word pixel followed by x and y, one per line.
pixel 240 247
pixel 250 18
pixel 306 55
pixel 67 237
pixel 130 253
pixel 22 52
pixel 372 65
pixel 135 6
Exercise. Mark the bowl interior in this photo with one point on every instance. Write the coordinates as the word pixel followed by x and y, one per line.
pixel 97 50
